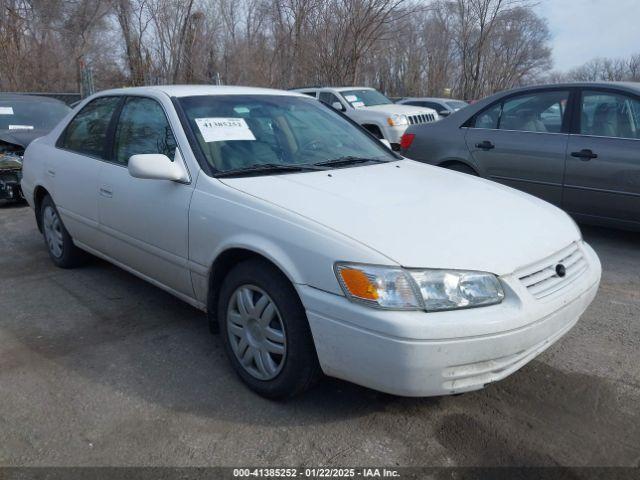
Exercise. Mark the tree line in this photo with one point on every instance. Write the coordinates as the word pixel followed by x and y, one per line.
pixel 460 48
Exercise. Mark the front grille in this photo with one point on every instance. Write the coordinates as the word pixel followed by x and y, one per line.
pixel 542 278
pixel 422 118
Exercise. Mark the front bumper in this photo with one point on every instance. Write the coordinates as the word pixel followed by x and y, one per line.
pixel 439 353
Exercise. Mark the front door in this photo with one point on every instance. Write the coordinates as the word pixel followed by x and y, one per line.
pixel 520 141
pixel 602 181
pixel 145 222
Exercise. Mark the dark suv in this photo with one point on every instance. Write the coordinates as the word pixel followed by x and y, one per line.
pixel 575 145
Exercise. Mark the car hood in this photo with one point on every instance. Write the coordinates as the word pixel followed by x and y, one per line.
pixel 394 108
pixel 422 216
pixel 21 138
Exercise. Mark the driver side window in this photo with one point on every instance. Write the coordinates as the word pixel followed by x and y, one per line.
pixel 143 128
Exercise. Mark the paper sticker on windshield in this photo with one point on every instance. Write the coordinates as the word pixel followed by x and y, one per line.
pixel 224 129
pixel 357 104
pixel 351 98
pixel 6 110
pixel 20 127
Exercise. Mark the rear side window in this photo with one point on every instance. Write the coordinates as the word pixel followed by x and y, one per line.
pixel 143 128
pixel 610 115
pixel 87 132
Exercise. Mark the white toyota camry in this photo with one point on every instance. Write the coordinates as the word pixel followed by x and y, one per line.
pixel 308 243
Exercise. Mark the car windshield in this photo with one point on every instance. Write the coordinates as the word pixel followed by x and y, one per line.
pixel 30 114
pixel 456 104
pixel 365 98
pixel 243 131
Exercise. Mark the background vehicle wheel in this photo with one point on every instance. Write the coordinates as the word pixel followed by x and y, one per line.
pixel 461 167
pixel 58 241
pixel 265 331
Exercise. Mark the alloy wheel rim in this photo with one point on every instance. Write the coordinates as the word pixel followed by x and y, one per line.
pixel 53 231
pixel 256 332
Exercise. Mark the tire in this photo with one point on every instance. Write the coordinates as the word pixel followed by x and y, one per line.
pixel 462 168
pixel 275 340
pixel 62 251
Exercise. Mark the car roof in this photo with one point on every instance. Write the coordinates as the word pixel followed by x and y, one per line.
pixel 18 97
pixel 433 99
pixel 199 90
pixel 337 89
pixel 630 85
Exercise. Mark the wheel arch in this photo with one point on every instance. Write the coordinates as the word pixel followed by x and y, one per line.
pixel 373 128
pixel 452 161
pixel 38 196
pixel 224 262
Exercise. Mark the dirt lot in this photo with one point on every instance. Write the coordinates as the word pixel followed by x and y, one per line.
pixel 100 368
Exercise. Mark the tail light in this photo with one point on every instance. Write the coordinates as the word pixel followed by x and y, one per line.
pixel 406 140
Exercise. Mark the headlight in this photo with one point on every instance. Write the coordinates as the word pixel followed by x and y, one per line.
pixel 397 119
pixel 451 289
pixel 382 287
pixel 431 290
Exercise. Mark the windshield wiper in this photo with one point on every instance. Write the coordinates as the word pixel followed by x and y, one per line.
pixel 348 160
pixel 267 168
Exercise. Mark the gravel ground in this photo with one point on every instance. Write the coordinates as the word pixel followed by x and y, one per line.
pixel 100 368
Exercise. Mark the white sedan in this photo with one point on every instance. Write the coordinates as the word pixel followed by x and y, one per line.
pixel 310 245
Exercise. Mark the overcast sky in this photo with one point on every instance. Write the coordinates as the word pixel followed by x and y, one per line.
pixel 584 29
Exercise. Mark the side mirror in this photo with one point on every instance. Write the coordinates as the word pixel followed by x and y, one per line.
pixel 338 106
pixel 444 113
pixel 156 166
pixel 386 143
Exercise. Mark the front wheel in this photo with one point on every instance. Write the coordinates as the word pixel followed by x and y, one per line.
pixel 265 331
pixel 59 243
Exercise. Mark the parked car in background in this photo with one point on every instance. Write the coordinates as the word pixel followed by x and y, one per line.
pixel 575 145
pixel 311 245
pixel 444 106
pixel 22 119
pixel 371 109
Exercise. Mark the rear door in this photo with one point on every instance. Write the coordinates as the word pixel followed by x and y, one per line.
pixel 73 170
pixel 521 141
pixel 602 182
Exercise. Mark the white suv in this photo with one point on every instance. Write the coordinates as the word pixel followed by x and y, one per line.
pixel 371 109
pixel 311 245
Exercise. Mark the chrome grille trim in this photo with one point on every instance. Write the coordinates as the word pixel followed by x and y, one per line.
pixel 541 278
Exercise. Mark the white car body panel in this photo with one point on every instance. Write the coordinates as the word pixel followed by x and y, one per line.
pixel 406 210
pixel 401 213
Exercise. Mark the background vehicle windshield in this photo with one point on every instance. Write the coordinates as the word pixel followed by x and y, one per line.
pixel 365 98
pixel 17 114
pixel 239 131
pixel 456 104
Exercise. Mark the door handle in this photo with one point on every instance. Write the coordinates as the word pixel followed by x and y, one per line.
pixel 106 192
pixel 584 155
pixel 51 172
pixel 486 145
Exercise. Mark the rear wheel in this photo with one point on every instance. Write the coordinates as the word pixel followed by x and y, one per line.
pixel 59 243
pixel 265 331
